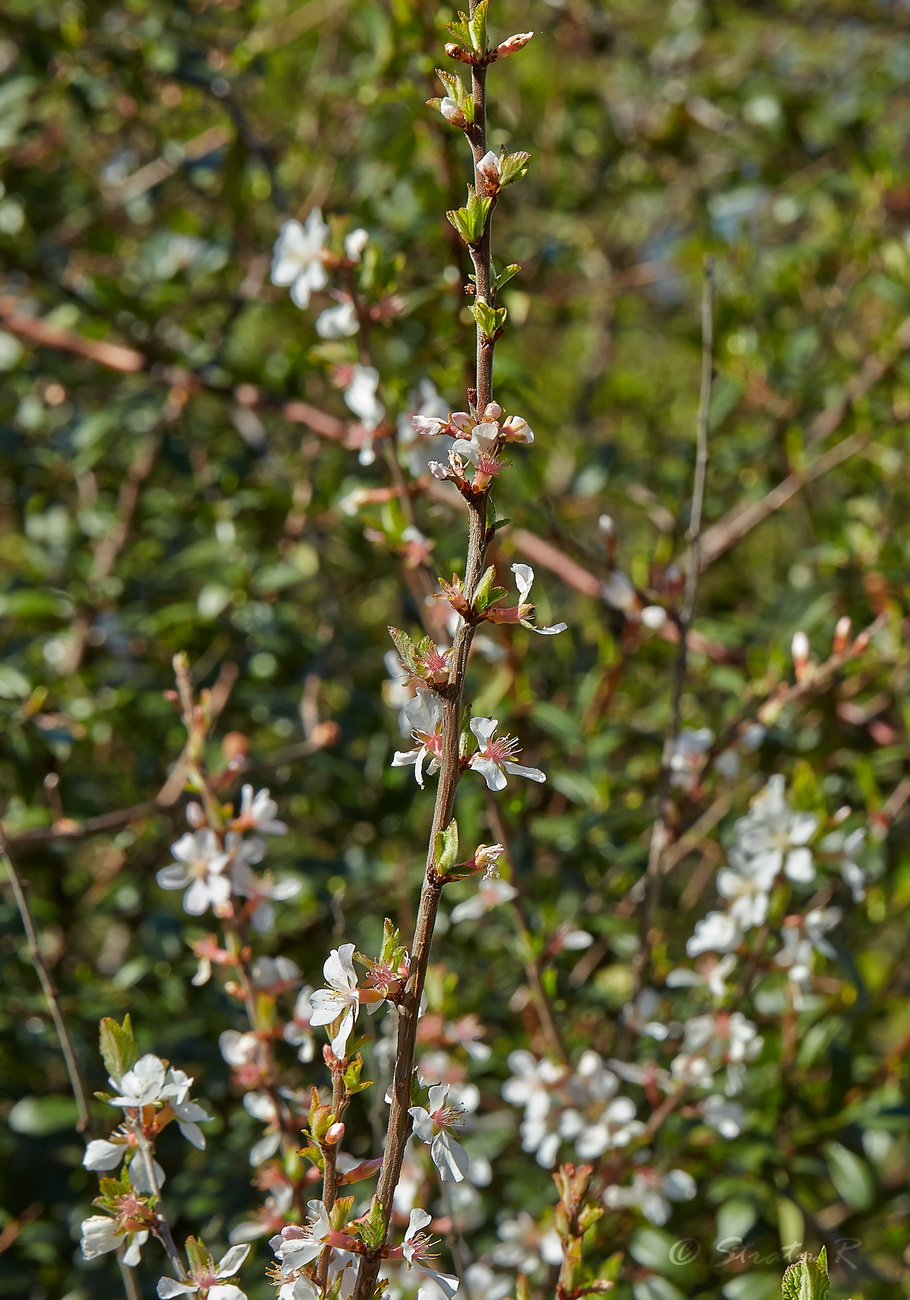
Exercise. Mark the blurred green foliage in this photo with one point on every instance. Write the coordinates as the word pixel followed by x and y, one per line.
pixel 151 149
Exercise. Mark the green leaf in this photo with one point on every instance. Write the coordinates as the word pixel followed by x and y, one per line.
pixel 490 320
pixel 504 276
pixel 118 1047
pixel 807 1279
pixel 39 1116
pixel 447 848
pixel 512 167
pixel 850 1175
pixel 471 220
pixel 373 1227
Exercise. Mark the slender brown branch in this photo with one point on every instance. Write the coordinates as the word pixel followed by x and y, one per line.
pixel 399 1124
pixel 20 893
pixel 660 831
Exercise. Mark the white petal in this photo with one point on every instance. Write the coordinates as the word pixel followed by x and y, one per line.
pixel 230 1262
pixel 798 866
pixel 169 1286
pixel 524 579
pixel 491 773
pixel 531 773
pixel 103 1155
pixel 484 729
pixel 337 322
pixel 548 631
pixel 450 1158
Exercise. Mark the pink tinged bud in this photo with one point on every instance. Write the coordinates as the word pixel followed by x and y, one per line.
pixel 427 426
pixel 799 648
pixel 513 44
pixel 515 429
pixel 463 421
pixel 606 526
pixel 488 168
pixel 492 412
pixel 334 1134
pixel 842 635
pixel 452 113
pixel 456 52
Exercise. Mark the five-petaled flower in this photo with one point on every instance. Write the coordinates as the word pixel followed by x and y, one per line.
pixel 432 1126
pixel 416 1250
pixel 494 757
pixel 337 1006
pixel 424 716
pixel 208 1278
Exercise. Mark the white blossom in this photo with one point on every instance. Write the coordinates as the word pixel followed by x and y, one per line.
pixel 147 1083
pixel 257 812
pixel 360 395
pixel 523 1245
pixel 338 322
pixel 524 578
pixel 711 975
pixel 297 1030
pixel 688 748
pixel 490 892
pixel 716 932
pixel 416 1250
pixel 424 717
pixel 262 891
pixel 297 258
pixel 209 1278
pixel 340 1002
pixel 724 1115
pixel 355 244
pixel 201 865
pixel 494 757
pixel 432 1126
pixel 100 1235
pixel 775 836
pixel 652 1192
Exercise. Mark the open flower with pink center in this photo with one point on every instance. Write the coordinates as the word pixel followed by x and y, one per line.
pixel 416 1250
pixel 494 757
pixel 424 716
pixel 432 1126
pixel 208 1278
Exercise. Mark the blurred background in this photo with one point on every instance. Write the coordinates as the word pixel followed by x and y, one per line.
pixel 180 472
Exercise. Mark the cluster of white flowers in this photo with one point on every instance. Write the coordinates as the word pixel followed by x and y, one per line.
pixel 215 867
pixel 151 1095
pixel 578 1106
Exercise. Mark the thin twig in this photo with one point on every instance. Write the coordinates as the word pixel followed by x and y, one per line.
pixel 660 831
pixel 400 1123
pixel 20 892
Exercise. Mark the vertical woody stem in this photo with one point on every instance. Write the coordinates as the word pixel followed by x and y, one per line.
pixel 399 1126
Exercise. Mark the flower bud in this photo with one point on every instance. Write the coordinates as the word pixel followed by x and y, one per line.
pixel 463 421
pixel 452 113
pixel 334 1134
pixel 457 52
pixel 492 412
pixel 488 168
pixel 799 648
pixel 842 635
pixel 428 426
pixel 513 44
pixel 653 616
pixel 515 429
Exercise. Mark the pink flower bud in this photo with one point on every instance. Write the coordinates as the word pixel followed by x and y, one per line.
pixel 452 113
pixel 488 168
pixel 463 421
pixel 457 52
pixel 427 426
pixel 334 1134
pixel 515 429
pixel 513 44
pixel 492 411
pixel 842 635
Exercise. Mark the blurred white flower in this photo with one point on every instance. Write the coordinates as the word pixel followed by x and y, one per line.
pixel 297 257
pixel 774 836
pixel 338 322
